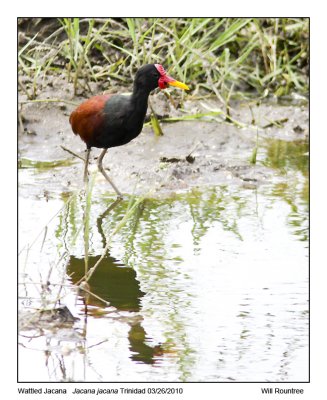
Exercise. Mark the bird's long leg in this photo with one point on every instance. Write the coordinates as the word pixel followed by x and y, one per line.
pixel 86 165
pixel 101 169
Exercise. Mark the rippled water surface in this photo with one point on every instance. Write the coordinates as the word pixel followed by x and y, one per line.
pixel 206 285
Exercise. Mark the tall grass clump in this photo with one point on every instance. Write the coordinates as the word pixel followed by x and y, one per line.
pixel 223 57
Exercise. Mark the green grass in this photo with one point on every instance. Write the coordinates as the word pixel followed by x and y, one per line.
pixel 216 56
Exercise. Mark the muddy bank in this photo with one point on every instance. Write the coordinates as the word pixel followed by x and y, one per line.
pixel 190 153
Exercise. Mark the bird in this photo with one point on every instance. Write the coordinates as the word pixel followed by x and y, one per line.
pixel 112 120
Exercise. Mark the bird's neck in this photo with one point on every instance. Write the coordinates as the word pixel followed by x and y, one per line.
pixel 138 107
pixel 139 99
pixel 137 110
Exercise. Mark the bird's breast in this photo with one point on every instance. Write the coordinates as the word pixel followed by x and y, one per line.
pixel 121 123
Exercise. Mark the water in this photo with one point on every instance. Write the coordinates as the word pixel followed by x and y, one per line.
pixel 207 285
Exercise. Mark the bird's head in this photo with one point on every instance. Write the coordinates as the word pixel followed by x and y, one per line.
pixel 152 76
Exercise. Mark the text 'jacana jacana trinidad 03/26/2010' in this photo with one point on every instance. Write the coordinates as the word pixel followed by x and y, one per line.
pixel 113 120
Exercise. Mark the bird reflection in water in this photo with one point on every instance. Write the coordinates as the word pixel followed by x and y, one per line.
pixel 117 284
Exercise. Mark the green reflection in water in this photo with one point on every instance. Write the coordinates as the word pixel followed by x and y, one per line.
pixel 287 156
pixel 145 233
pixel 292 159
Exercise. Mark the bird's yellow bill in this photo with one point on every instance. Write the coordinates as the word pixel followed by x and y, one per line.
pixel 178 84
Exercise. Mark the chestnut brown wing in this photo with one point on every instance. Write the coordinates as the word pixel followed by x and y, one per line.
pixel 87 119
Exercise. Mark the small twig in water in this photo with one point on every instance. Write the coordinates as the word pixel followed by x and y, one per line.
pixel 71 152
pixel 84 287
pixel 278 123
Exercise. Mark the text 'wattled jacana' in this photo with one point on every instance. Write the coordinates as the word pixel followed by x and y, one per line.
pixel 113 120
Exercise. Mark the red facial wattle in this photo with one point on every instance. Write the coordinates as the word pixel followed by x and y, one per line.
pixel 162 84
pixel 166 80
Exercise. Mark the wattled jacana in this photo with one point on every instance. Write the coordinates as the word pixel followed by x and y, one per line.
pixel 113 120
